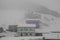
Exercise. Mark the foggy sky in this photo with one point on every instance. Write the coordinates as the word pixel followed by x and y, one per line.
pixel 11 10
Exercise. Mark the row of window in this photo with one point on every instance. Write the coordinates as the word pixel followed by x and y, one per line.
pixel 26 34
pixel 25 29
pixel 30 34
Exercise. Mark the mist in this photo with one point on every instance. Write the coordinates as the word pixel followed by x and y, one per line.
pixel 13 11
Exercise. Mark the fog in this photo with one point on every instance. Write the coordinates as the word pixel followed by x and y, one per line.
pixel 13 11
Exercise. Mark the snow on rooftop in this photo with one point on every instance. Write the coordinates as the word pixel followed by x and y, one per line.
pixel 26 25
pixel 20 38
pixel 33 19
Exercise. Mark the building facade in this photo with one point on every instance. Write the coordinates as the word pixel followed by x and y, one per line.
pixel 33 21
pixel 12 28
pixel 26 30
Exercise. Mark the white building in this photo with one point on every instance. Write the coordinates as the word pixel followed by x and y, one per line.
pixel 26 30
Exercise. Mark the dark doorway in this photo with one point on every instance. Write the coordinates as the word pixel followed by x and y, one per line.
pixel 21 34
pixel 38 34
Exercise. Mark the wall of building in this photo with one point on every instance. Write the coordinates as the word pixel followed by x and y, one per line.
pixel 25 31
pixel 12 28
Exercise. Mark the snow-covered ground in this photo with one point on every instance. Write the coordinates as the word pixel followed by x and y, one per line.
pixel 20 38
pixel 8 34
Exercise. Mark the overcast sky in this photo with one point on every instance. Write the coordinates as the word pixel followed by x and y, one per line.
pixel 11 10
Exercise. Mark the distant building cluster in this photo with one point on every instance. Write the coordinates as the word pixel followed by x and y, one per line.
pixel 27 29
pixel 31 28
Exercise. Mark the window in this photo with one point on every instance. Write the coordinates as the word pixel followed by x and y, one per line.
pixel 21 34
pixel 30 34
pixel 25 29
pixel 31 29
pixel 20 29
pixel 25 34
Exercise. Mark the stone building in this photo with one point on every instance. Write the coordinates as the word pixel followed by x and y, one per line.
pixel 26 30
